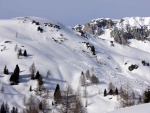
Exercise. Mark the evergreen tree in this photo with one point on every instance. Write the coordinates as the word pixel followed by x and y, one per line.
pixel 16 74
pixel 37 75
pixel 30 89
pixel 57 94
pixel 111 92
pixel 105 93
pixel 147 95
pixel 20 52
pixel 14 110
pixel 11 77
pixel 93 50
pixel 25 53
pixel 6 70
pixel 14 79
pixel 3 108
pixel 116 91
pixel 17 69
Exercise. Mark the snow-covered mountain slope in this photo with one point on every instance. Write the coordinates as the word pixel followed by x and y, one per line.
pixel 135 109
pixel 55 47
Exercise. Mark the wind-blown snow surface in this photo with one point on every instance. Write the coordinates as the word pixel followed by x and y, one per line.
pixel 64 53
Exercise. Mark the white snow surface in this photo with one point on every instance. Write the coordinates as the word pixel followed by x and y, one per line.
pixel 66 57
pixel 144 108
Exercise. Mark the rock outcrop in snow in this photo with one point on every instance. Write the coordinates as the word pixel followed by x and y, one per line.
pixel 121 30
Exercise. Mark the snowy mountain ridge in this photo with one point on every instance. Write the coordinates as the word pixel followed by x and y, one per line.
pixel 66 53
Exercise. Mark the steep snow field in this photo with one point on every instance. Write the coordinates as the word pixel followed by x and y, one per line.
pixel 64 53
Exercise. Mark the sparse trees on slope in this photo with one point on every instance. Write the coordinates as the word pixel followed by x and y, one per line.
pixel 67 101
pixel 126 99
pixel 31 106
pixel 78 105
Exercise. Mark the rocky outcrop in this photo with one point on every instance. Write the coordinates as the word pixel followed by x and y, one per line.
pixel 121 30
pixel 96 26
pixel 122 35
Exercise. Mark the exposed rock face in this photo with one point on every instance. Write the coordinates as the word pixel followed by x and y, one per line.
pixel 121 30
pixel 96 26
pixel 121 36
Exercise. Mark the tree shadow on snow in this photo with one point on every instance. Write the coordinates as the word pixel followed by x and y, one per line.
pixel 24 78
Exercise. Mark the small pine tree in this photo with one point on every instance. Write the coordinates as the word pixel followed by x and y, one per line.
pixel 105 93
pixel 6 70
pixel 25 53
pixel 37 75
pixel 93 50
pixel 30 89
pixel 20 52
pixel 111 92
pixel 116 91
pixel 57 94
pixel 40 80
